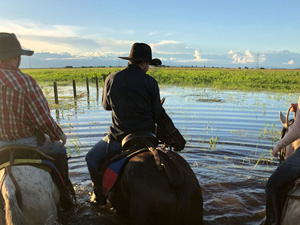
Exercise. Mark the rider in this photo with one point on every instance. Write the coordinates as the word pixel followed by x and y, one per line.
pixel 25 115
pixel 134 99
pixel 286 173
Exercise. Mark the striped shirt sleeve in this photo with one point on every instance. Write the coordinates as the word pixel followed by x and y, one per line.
pixel 37 109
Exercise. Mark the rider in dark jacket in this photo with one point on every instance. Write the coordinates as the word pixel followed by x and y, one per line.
pixel 134 99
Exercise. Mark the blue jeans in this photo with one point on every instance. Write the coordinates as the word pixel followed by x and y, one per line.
pixel 276 189
pixel 49 147
pixel 95 159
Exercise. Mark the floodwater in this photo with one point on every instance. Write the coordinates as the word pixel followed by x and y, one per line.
pixel 229 136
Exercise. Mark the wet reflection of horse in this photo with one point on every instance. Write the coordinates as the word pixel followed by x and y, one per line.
pixel 291 210
pixel 157 187
pixel 28 193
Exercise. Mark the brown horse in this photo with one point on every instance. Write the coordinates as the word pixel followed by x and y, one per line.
pixel 150 196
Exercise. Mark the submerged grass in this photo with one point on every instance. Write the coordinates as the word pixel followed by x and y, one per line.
pixel 231 79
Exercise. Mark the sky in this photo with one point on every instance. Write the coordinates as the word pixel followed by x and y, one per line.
pixel 211 33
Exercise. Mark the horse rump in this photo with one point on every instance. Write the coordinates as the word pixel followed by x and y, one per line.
pixel 147 195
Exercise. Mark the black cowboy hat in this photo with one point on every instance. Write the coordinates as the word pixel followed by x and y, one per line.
pixel 142 52
pixel 10 46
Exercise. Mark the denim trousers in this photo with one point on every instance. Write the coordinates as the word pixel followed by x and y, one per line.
pixel 95 159
pixel 49 147
pixel 276 189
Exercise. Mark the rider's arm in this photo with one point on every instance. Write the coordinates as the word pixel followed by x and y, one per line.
pixel 105 100
pixel 291 136
pixel 37 109
pixel 157 106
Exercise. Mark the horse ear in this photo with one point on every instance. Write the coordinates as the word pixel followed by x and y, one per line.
pixel 282 119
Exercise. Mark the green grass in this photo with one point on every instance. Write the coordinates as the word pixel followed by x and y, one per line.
pixel 233 79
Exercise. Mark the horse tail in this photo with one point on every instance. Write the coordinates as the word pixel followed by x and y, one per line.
pixel 13 213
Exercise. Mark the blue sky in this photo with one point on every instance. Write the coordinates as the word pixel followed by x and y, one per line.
pixel 219 33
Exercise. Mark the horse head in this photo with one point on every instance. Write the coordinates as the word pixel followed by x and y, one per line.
pixel 290 149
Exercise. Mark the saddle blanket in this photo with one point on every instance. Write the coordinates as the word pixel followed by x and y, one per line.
pixel 111 174
pixel 113 170
pixel 36 162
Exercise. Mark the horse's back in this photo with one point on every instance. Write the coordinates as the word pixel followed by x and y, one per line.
pixel 153 199
pixel 39 195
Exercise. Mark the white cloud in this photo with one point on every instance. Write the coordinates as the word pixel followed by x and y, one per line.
pixel 242 58
pixel 47 38
pixel 198 57
pixel 231 52
pixel 31 28
pixel 152 33
pixel 291 62
pixel 130 32
pixel 246 57
pixel 99 45
pixel 168 47
pixel 261 58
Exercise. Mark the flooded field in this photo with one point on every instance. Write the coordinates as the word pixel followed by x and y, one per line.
pixel 229 136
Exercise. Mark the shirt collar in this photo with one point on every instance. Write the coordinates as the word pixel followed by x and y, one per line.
pixel 8 67
pixel 136 67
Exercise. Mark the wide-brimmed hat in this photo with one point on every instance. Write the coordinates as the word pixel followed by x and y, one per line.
pixel 142 52
pixel 10 46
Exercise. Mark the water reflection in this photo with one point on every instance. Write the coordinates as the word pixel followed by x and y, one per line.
pixel 229 136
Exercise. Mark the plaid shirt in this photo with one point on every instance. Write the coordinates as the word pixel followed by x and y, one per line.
pixel 23 107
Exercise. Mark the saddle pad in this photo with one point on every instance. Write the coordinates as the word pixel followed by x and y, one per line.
pixel 42 164
pixel 111 174
pixel 113 170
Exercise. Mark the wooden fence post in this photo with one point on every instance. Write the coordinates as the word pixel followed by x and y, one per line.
pixel 55 92
pixel 97 86
pixel 74 89
pixel 87 86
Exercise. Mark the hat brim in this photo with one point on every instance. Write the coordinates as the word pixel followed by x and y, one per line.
pixel 153 62
pixel 14 53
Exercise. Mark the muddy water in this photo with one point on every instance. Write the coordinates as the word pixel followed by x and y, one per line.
pixel 229 136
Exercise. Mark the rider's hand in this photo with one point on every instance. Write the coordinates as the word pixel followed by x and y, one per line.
pixel 294 107
pixel 63 138
pixel 275 151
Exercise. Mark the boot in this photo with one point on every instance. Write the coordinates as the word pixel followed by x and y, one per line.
pixel 98 197
pixel 270 215
pixel 67 192
pixel 277 210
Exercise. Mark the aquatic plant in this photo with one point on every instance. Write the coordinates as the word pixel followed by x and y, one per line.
pixel 219 78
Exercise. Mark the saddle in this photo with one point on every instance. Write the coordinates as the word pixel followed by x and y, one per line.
pixel 20 154
pixel 14 155
pixel 136 143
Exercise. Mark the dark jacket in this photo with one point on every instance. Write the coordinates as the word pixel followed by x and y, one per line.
pixel 133 96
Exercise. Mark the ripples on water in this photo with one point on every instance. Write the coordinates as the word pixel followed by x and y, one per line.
pixel 229 136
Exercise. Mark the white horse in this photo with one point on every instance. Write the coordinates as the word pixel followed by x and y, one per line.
pixel 39 195
pixel 291 210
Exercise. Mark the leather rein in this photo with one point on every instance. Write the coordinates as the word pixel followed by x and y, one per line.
pixel 288 124
pixel 8 172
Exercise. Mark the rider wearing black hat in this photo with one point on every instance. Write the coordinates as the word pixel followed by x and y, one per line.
pixel 134 99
